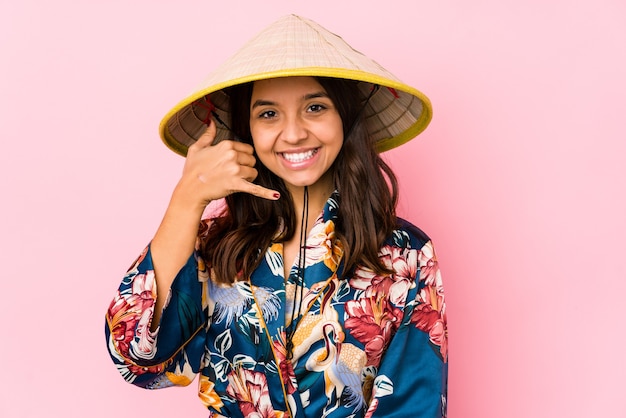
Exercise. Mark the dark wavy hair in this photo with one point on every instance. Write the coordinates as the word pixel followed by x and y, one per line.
pixel 237 239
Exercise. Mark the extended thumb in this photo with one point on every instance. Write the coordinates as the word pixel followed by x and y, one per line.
pixel 207 137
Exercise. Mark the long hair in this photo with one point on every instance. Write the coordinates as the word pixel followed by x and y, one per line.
pixel 367 188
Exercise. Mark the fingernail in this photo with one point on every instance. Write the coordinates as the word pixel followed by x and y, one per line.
pixel 276 195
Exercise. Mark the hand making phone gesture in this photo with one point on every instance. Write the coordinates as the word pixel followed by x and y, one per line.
pixel 211 172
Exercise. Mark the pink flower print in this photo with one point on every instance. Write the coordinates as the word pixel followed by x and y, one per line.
pixel 403 261
pixel 133 311
pixel 122 325
pixel 404 264
pixel 429 267
pixel 286 368
pixel 372 321
pixel 429 316
pixel 250 390
pixel 395 288
pixel 372 408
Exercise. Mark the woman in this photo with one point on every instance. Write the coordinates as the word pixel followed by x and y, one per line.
pixel 305 296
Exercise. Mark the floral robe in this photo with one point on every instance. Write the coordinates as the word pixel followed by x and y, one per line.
pixel 365 345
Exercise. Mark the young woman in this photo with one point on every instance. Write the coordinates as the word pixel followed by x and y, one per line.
pixel 306 296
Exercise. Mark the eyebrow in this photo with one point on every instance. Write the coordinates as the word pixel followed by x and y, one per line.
pixel 307 96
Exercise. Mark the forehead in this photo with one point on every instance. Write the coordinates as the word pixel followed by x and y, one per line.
pixel 297 86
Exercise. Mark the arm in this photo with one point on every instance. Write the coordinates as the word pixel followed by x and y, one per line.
pixel 412 378
pixel 211 172
pixel 169 355
pixel 154 322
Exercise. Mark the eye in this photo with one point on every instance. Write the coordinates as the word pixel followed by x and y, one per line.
pixel 316 108
pixel 267 114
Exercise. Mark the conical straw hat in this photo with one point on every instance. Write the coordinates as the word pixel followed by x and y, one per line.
pixel 295 46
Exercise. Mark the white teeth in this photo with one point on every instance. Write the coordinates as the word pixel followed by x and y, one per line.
pixel 299 156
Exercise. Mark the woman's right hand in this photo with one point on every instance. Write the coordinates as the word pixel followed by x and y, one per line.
pixel 212 172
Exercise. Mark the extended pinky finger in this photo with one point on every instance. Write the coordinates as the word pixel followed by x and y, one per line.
pixel 260 191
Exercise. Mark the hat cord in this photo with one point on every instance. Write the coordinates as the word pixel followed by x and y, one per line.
pixel 210 108
pixel 373 90
pixel 299 291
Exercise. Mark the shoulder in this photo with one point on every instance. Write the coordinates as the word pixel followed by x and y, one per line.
pixel 407 235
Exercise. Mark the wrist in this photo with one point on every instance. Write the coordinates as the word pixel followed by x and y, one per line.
pixel 185 200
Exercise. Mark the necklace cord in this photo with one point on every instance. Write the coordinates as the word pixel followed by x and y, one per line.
pixel 299 291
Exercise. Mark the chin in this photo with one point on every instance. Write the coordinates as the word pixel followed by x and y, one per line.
pixel 301 182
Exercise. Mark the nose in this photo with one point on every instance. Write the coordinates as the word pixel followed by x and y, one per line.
pixel 293 130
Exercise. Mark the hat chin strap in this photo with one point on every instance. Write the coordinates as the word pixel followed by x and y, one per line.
pixel 299 292
pixel 375 88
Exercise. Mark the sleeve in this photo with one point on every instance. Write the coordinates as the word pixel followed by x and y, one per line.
pixel 412 377
pixel 171 355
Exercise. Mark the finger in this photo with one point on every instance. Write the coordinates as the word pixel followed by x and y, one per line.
pixel 259 191
pixel 247 173
pixel 245 159
pixel 242 147
pixel 207 138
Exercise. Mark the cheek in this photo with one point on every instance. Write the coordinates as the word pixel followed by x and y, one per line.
pixel 263 149
pixel 259 141
pixel 336 135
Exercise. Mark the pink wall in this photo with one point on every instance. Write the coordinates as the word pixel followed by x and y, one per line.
pixel 519 180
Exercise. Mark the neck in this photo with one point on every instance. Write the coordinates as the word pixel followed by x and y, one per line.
pixel 318 194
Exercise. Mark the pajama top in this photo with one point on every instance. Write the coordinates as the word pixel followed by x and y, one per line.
pixel 365 345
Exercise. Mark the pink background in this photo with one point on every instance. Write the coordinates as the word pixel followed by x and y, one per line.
pixel 519 180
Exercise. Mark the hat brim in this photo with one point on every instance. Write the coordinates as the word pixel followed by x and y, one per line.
pixel 182 119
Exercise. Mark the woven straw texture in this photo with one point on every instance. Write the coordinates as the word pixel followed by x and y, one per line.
pixel 295 46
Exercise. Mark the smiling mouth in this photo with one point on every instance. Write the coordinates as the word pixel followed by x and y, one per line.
pixel 298 157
